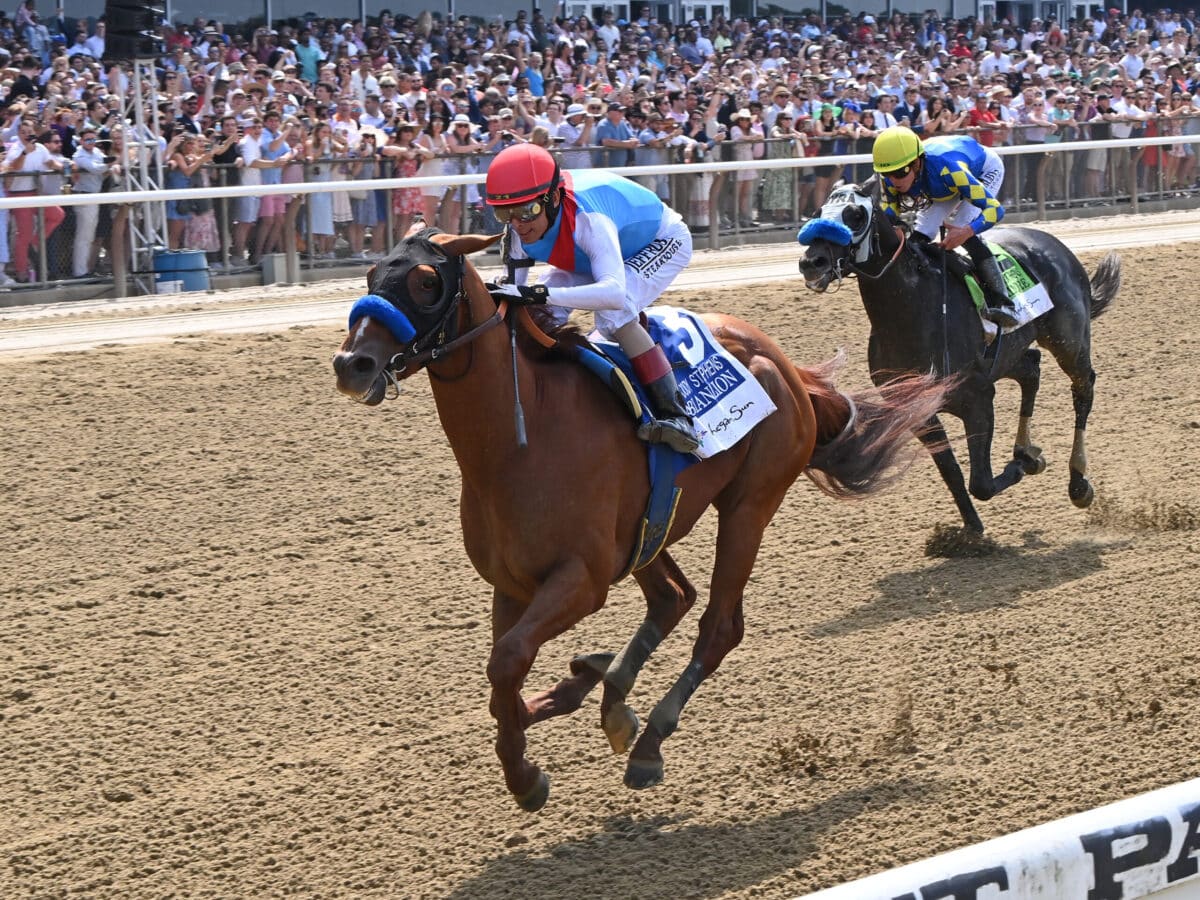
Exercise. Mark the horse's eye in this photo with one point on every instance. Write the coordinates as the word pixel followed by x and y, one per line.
pixel 429 282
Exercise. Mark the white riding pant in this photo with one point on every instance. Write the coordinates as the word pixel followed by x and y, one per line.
pixel 647 274
pixel 955 210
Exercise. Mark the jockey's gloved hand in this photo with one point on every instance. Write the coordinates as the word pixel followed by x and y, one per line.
pixel 521 294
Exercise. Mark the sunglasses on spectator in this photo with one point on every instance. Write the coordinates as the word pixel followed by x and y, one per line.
pixel 525 212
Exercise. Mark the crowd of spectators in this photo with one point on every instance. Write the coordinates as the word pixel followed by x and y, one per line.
pixel 320 99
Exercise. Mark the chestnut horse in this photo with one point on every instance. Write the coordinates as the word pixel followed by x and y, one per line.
pixel 550 523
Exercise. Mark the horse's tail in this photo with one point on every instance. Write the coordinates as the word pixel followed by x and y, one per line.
pixel 1106 281
pixel 863 438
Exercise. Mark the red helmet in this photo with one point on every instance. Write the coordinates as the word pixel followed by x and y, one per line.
pixel 521 173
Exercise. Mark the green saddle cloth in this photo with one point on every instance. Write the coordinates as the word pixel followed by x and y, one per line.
pixel 1016 279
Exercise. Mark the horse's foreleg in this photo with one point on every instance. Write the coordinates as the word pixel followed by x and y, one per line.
pixel 567 696
pixel 1082 391
pixel 979 421
pixel 562 600
pixel 1029 376
pixel 933 436
pixel 669 595
pixel 721 629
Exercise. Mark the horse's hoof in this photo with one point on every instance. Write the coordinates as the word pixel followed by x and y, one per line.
pixel 1081 492
pixel 535 798
pixel 1031 459
pixel 597 663
pixel 621 726
pixel 641 774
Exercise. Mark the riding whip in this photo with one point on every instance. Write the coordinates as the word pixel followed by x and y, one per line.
pixel 518 411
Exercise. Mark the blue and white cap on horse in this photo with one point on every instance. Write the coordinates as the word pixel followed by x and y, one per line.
pixel 951 181
pixel 613 246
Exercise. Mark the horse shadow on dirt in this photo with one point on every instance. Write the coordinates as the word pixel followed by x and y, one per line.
pixel 658 857
pixel 968 586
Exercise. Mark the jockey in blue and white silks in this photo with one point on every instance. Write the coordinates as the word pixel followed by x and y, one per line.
pixel 613 247
pixel 951 180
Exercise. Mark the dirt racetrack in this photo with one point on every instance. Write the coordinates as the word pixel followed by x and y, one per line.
pixel 242 652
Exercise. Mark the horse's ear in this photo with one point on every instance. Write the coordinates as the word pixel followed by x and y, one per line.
pixel 371 277
pixel 464 244
pixel 873 188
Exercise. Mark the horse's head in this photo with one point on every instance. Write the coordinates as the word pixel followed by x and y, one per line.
pixel 414 307
pixel 837 239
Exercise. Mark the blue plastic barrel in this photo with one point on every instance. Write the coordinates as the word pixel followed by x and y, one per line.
pixel 180 270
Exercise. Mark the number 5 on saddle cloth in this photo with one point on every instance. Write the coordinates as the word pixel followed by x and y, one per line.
pixel 722 396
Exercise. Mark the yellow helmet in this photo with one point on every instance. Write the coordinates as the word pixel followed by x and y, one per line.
pixel 895 148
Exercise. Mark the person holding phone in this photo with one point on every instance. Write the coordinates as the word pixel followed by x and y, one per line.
pixel 26 156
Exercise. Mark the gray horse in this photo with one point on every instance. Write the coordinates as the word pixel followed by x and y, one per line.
pixel 923 320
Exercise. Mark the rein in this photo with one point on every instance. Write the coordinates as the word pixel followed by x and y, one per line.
pixel 408 362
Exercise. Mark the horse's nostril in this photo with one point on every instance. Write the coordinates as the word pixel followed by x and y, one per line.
pixel 363 365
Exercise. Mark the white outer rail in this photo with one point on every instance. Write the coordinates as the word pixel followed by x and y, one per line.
pixel 380 184
pixel 1145 846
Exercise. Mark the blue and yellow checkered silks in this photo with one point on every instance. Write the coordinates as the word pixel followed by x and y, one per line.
pixel 953 166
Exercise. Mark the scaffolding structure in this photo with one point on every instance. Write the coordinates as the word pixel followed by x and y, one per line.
pixel 144 174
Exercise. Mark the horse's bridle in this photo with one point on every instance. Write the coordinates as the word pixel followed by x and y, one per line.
pixel 430 332
pixel 864 242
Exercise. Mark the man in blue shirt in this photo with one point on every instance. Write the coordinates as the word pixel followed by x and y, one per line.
pixel 275 154
pixel 615 134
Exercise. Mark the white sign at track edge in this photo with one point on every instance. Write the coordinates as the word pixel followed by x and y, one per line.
pixel 1145 846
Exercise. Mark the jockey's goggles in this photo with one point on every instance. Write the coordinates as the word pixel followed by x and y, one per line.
pixel 897 174
pixel 524 212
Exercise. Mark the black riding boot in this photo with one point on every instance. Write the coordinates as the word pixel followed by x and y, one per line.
pixel 1000 307
pixel 672 424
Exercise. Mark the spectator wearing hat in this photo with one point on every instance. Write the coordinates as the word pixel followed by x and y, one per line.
pixel 189 105
pixel 576 134
pixel 616 135
pixel 1100 124
pixel 850 132
pixel 309 56
pixel 464 149
pixel 746 133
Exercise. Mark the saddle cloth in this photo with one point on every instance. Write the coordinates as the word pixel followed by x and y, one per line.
pixel 723 397
pixel 1029 296
pixel 720 393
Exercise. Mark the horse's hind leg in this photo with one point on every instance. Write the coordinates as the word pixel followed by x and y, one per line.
pixel 1082 391
pixel 1075 358
pixel 721 628
pixel 1028 375
pixel 933 436
pixel 669 595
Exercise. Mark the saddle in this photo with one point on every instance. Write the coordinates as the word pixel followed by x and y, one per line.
pixel 1029 297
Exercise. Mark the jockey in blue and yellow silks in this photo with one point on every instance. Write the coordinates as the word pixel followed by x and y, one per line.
pixel 951 180
pixel 613 247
